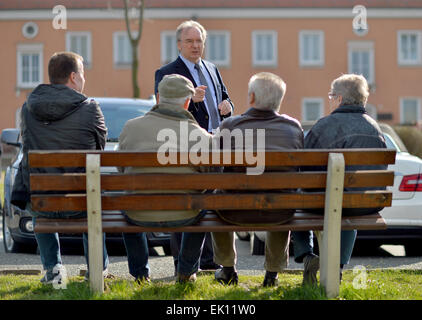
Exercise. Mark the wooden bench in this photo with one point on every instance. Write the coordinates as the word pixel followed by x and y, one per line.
pixel 97 192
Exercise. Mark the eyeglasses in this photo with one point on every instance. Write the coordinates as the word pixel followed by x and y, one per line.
pixel 331 95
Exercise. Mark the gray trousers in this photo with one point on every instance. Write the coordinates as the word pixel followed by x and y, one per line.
pixel 276 250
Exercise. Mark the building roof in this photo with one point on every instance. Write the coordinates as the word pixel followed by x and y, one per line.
pixel 103 4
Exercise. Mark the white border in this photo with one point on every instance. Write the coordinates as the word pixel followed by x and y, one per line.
pixel 362 46
pixel 88 34
pixel 400 60
pixel 312 63
pixel 29 48
pixel 318 100
pixel 268 63
pixel 216 13
pixel 418 108
pixel 227 39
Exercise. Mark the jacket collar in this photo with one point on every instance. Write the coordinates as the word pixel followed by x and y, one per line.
pixel 254 112
pixel 350 108
pixel 172 111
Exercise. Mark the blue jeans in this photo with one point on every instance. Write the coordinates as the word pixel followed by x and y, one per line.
pixel 137 246
pixel 49 243
pixel 190 251
pixel 303 244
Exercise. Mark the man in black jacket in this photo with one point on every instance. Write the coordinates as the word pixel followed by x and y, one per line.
pixel 209 105
pixel 57 116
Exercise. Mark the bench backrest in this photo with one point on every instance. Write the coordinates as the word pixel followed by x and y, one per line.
pixel 71 187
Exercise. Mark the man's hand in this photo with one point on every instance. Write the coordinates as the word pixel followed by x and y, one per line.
pixel 199 95
pixel 225 108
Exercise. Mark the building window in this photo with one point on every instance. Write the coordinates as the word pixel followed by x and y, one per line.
pixel 264 48
pixel 30 65
pixel 311 48
pixel 361 60
pixel 409 47
pixel 122 49
pixel 169 51
pixel 217 47
pixel 409 110
pixel 312 109
pixel 80 43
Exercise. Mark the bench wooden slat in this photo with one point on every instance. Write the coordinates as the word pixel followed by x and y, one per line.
pixel 210 223
pixel 77 202
pixel 233 181
pixel 76 158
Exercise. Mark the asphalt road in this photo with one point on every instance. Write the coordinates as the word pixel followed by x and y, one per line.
pixel 162 266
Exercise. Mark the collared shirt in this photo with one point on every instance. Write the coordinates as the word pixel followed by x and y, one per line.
pixel 210 84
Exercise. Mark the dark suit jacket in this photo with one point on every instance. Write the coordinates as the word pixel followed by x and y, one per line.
pixel 198 110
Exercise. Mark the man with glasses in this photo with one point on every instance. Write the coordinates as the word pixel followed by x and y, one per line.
pixel 347 126
pixel 209 105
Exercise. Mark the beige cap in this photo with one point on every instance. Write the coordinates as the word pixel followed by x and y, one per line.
pixel 175 86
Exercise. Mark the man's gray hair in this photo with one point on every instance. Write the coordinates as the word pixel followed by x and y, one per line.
pixel 352 87
pixel 269 90
pixel 175 101
pixel 190 24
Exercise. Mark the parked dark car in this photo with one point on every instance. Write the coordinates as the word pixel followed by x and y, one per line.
pixel 18 233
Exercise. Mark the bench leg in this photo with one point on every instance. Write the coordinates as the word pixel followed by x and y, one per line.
pixel 95 233
pixel 330 251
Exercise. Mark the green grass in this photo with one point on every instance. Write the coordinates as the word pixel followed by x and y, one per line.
pixel 378 285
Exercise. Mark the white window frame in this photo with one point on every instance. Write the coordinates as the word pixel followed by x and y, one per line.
pixel 266 63
pixel 418 108
pixel 120 64
pixel 354 46
pixel 227 39
pixel 88 58
pixel 29 49
pixel 312 63
pixel 318 100
pixel 408 62
pixel 164 58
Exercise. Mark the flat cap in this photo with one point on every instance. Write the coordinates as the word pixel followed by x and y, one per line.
pixel 175 86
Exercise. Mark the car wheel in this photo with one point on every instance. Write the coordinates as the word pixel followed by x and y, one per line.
pixel 10 245
pixel 413 249
pixel 167 250
pixel 243 235
pixel 257 246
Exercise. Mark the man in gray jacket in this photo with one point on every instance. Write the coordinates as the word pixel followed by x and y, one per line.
pixel 57 116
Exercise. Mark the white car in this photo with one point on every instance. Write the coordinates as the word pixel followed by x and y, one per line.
pixel 403 218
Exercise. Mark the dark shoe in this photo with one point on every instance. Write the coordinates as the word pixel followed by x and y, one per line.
pixel 226 276
pixel 210 266
pixel 271 279
pixel 181 278
pixel 311 267
pixel 142 280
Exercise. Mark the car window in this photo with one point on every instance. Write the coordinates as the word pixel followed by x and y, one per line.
pixel 391 144
pixel 115 117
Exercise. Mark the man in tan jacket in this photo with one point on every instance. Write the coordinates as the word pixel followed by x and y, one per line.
pixel 167 128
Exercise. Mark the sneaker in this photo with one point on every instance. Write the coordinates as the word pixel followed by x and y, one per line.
pixel 311 267
pixel 106 275
pixel 271 279
pixel 226 276
pixel 181 278
pixel 57 275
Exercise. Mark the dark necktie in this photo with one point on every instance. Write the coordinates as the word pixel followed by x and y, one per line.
pixel 212 108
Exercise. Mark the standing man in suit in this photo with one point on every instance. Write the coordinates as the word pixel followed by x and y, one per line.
pixel 209 105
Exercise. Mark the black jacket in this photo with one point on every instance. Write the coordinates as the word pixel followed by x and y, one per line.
pixel 198 109
pixel 56 117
